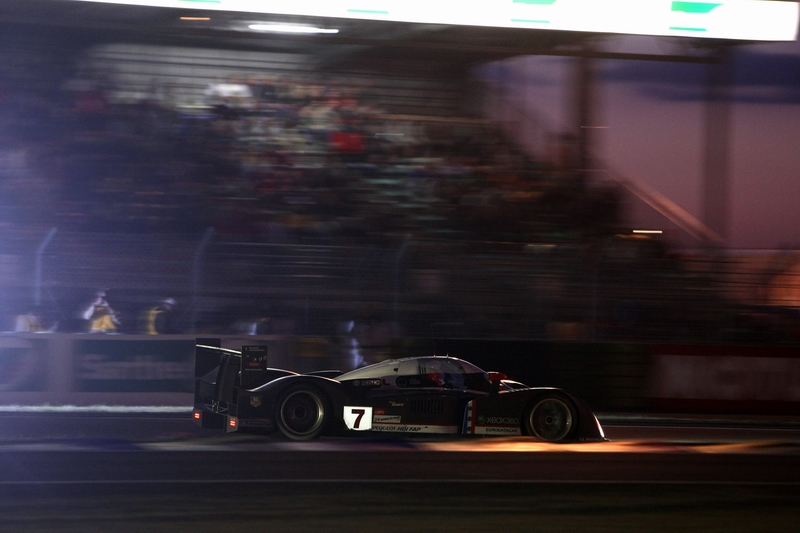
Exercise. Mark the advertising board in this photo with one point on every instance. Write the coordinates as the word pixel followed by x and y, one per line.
pixel 133 365
pixel 729 379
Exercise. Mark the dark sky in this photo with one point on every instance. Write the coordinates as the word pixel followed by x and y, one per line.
pixel 653 119
pixel 763 78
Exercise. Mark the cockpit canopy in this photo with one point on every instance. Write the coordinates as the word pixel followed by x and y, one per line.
pixel 424 372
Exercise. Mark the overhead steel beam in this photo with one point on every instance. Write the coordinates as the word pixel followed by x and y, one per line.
pixel 717 144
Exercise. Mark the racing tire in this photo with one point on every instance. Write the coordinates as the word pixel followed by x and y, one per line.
pixel 552 419
pixel 302 413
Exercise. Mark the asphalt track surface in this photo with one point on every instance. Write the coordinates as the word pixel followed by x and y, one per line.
pixel 162 473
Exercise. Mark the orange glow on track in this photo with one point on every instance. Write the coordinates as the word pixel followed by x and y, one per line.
pixel 526 444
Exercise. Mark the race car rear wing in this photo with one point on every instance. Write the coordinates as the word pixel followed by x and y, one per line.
pixel 215 372
pixel 228 368
pixel 220 373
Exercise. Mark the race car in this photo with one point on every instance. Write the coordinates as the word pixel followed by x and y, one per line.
pixel 237 391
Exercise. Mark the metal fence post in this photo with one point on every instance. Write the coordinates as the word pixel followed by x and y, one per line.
pixel 37 282
pixel 197 274
pixel 396 304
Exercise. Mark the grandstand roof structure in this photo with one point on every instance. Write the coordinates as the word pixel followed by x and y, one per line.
pixel 440 52
pixel 432 49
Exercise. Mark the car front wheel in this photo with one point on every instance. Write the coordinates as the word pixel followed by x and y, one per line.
pixel 302 413
pixel 552 418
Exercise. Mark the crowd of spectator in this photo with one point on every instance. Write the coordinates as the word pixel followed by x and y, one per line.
pixel 306 160
pixel 275 159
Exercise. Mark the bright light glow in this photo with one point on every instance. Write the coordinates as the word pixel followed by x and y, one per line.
pixel 195 18
pixel 291 28
pixel 751 20
pixel 649 231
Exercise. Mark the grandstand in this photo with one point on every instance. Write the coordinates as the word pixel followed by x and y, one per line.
pixel 296 184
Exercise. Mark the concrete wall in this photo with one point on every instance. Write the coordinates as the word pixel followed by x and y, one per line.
pixel 87 370
pixel 142 370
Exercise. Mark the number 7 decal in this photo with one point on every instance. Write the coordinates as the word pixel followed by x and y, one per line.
pixel 358 418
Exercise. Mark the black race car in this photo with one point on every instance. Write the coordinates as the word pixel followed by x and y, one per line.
pixel 445 395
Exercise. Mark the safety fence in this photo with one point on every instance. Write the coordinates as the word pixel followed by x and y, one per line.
pixel 623 288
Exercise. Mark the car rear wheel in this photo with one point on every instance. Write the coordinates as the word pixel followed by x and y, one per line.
pixel 302 413
pixel 552 418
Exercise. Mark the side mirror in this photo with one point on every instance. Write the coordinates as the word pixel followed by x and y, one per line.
pixel 494 381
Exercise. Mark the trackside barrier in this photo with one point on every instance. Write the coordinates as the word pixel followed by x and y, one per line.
pixel 110 370
pixel 144 370
pixel 724 379
pixel 637 377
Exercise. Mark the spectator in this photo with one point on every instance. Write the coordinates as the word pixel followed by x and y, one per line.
pixel 350 351
pixel 159 320
pixel 33 322
pixel 100 316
